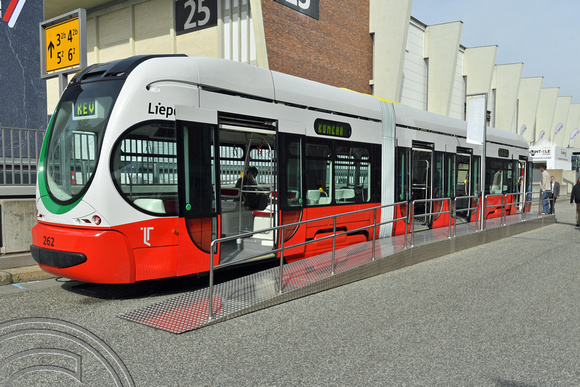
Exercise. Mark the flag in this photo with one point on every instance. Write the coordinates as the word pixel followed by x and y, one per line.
pixel 12 12
pixel 573 135
pixel 476 120
pixel 558 128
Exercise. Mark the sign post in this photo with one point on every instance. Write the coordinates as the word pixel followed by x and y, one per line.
pixel 476 134
pixel 63 46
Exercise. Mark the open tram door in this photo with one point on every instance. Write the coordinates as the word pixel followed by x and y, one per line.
pixel 422 183
pixel 463 184
pixel 213 153
pixel 196 134
pixel 524 184
pixel 247 194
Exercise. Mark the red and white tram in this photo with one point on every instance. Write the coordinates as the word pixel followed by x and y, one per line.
pixel 142 162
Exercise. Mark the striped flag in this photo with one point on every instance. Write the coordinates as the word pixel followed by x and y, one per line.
pixel 558 129
pixel 573 135
pixel 10 15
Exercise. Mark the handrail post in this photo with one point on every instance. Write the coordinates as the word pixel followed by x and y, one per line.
pixel 525 206
pixel 333 244
pixel 449 207
pixel 374 231
pixel 413 223
pixel 281 270
pixel 503 209
pixel 483 211
pixel 455 216
pixel 407 223
pixel 210 301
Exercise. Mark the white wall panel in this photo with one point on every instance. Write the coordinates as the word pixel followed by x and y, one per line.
pixel 238 32
pixel 457 105
pixel 414 84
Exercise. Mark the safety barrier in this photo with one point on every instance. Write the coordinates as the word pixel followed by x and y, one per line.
pixel 19 151
pixel 467 209
pixel 408 219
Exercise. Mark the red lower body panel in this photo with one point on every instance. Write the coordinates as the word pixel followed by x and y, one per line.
pixel 109 257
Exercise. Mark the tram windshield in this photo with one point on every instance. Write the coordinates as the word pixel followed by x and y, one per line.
pixel 76 135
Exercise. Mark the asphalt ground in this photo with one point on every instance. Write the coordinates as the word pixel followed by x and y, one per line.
pixel 502 314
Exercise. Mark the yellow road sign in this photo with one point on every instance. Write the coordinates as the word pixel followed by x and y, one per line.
pixel 62 45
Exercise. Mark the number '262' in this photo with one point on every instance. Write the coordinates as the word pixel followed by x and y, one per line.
pixel 48 241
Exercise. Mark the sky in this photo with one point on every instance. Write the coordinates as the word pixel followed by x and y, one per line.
pixel 543 35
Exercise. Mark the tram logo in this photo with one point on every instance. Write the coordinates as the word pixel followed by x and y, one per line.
pixel 10 15
pixel 146 235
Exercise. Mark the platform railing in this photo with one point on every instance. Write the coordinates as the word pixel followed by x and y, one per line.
pixel 281 249
pixel 19 152
pixel 469 209
pixel 429 214
pixel 501 206
pixel 407 218
pixel 550 201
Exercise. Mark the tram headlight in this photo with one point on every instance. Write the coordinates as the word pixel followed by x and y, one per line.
pixel 97 220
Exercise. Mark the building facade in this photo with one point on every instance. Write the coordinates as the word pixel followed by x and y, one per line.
pixel 370 46
pixel 22 91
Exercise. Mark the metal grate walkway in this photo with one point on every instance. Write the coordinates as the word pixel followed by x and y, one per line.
pixel 260 290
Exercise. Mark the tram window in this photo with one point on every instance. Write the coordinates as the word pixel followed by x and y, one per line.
pixel 402 183
pixel 77 133
pixel 231 163
pixel 462 184
pixel 144 167
pixel 476 172
pixel 199 174
pixel 317 176
pixel 352 174
pixel 529 177
pixel 291 174
pixel 499 176
pixel 261 157
pixel 439 189
pixel 449 175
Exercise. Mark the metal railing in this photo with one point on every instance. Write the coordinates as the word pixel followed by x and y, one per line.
pixel 466 209
pixel 19 152
pixel 428 214
pixel 408 219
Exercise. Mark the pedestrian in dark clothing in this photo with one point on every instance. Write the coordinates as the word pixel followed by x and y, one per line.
pixel 575 198
pixel 554 194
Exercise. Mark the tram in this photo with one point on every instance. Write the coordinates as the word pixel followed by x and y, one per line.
pixel 148 159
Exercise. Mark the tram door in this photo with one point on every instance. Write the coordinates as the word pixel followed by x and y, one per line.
pixel 421 185
pixel 463 185
pixel 247 190
pixel 213 156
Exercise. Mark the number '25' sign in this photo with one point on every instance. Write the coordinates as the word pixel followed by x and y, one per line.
pixel 195 15
pixel 307 7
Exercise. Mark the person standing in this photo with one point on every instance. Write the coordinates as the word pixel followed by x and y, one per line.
pixel 555 194
pixel 544 188
pixel 575 198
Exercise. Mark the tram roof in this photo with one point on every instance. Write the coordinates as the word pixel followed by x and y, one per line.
pixel 247 80
pixel 284 88
pixel 411 117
